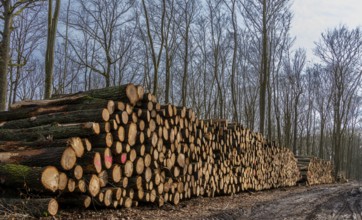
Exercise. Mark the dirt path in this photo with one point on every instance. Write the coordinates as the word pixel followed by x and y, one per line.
pixel 335 201
pixel 319 202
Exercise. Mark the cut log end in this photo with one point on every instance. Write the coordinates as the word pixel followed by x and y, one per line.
pixel 53 207
pixel 87 144
pixel 50 178
pixel 69 158
pixel 132 93
pixel 94 186
pixel 105 114
pixel 97 162
pixel 78 172
pixel 77 145
pixel 63 180
pixel 132 134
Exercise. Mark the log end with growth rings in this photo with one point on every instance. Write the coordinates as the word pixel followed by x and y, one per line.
pixel 69 158
pixel 132 93
pixel 50 178
pixel 53 207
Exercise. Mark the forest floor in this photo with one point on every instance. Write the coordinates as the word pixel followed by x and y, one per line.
pixel 333 201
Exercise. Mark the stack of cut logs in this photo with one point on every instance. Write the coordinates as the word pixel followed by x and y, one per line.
pixel 315 170
pixel 118 147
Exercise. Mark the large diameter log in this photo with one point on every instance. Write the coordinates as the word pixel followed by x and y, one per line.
pixel 64 158
pixel 127 93
pixel 68 99
pixel 57 131
pixel 85 104
pixel 35 207
pixel 96 115
pixel 32 178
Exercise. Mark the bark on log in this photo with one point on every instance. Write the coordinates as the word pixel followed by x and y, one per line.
pixel 87 103
pixel 32 178
pixel 14 146
pixel 63 158
pixel 95 115
pixel 57 131
pixel 125 93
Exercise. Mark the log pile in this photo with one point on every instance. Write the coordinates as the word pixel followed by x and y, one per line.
pixel 315 171
pixel 118 147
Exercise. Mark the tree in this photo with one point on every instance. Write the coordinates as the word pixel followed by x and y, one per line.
pixel 293 70
pixel 269 23
pixel 25 40
pixel 156 56
pixel 232 8
pixel 49 54
pixel 102 22
pixel 9 10
pixel 340 50
pixel 171 44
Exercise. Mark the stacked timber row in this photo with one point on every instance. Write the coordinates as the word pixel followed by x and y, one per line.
pixel 315 170
pixel 58 151
pixel 118 147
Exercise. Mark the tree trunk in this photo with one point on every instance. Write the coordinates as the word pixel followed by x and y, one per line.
pixel 234 64
pixel 49 55
pixel 264 74
pixel 4 53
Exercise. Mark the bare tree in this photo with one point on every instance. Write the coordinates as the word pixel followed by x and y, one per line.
pixel 171 43
pixel 25 40
pixel 101 21
pixel 293 69
pixel 232 6
pixel 340 51
pixel 9 10
pixel 269 22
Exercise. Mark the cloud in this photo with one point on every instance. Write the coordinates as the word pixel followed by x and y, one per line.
pixel 312 17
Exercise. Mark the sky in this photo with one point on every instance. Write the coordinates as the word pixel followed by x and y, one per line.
pixel 312 17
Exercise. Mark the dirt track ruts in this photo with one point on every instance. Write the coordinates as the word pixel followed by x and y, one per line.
pixel 333 201
pixel 342 201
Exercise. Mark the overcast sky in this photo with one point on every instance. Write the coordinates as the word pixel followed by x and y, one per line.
pixel 312 17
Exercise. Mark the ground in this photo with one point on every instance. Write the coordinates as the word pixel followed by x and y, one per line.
pixel 333 201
